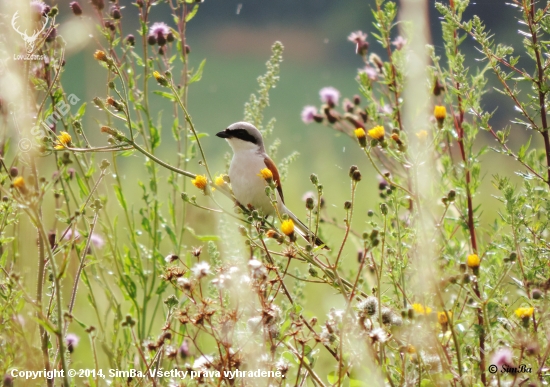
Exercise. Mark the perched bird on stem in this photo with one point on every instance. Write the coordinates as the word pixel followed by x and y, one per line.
pixel 251 170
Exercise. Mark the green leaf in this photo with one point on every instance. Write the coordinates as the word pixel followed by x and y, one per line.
pixel 332 378
pixel 192 14
pixel 165 95
pixel 199 136
pixel 427 383
pixel 203 238
pixel 198 75
pixel 82 186
pixel 523 150
pixel 120 197
pixel 356 383
pixel 171 234
pixel 81 111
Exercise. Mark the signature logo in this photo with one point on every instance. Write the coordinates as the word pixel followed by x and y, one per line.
pixel 29 40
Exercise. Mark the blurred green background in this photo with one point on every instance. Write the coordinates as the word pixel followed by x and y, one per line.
pixel 235 38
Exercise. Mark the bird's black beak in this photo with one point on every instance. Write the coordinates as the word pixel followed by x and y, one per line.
pixel 223 134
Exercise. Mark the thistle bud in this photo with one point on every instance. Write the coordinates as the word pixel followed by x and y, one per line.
pixel 161 39
pixel 75 7
pixel 14 171
pixel 115 13
pixel 314 179
pixel 130 40
pixel 352 169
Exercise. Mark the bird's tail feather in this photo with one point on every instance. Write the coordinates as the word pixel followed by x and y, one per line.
pixel 304 231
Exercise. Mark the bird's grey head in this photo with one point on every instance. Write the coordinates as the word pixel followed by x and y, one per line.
pixel 243 135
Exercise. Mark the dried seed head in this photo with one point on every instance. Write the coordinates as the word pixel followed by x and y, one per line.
pixel 369 305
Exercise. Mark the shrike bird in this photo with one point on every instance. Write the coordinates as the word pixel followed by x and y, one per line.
pixel 249 158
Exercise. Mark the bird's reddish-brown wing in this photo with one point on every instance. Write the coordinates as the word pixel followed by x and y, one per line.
pixel 273 168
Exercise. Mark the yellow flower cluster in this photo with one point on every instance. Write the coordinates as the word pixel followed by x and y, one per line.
pixel 200 181
pixel 377 133
pixel 442 317
pixel 161 79
pixel 287 227
pixel 361 136
pixel 422 135
pixel 266 174
pixel 421 309
pixel 473 261
pixel 524 312
pixel 19 182
pixel 440 112
pixel 220 180
pixel 100 55
pixel 64 140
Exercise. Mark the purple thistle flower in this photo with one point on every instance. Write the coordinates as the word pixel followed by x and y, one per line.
pixel 399 42
pixel 370 71
pixel 308 113
pixel 386 109
pixel 160 32
pixel 329 95
pixel 96 239
pixel 503 356
pixel 69 235
pixel 360 40
pixel 39 9
pixel 72 341
pixel 357 37
pixel 183 350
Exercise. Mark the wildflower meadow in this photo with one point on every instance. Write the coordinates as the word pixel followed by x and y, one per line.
pixel 138 248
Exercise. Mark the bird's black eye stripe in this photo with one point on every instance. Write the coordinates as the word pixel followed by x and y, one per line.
pixel 242 134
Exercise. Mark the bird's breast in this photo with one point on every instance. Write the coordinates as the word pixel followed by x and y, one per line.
pixel 248 187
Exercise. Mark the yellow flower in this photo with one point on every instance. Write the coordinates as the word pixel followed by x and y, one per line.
pixel 361 136
pixel 100 55
pixel 524 312
pixel 421 309
pixel 442 317
pixel 19 182
pixel 219 181
pixel 473 261
pixel 377 133
pixel 160 78
pixel 440 112
pixel 64 140
pixel 287 227
pixel 200 181
pixel 266 174
pixel 422 135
